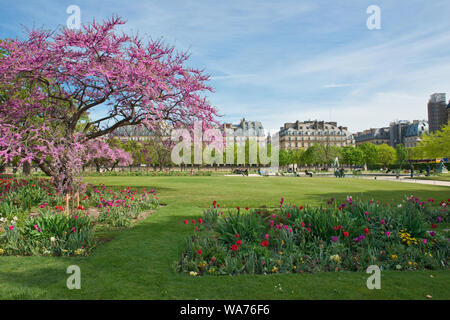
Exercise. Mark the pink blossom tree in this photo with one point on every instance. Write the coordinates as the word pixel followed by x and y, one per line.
pixel 69 73
pixel 100 153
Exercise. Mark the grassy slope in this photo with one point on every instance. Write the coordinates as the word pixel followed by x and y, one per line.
pixel 137 263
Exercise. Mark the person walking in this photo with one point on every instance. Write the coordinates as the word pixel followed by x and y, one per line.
pixel 412 171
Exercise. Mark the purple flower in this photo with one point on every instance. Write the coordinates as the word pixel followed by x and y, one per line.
pixel 334 239
pixel 359 238
pixel 439 219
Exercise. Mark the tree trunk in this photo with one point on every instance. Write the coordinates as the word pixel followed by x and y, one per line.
pixel 26 168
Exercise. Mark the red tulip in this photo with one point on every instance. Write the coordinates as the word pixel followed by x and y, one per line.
pixel 239 242
pixel 199 252
pixel 234 247
pixel 265 243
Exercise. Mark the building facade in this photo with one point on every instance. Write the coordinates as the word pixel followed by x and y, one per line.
pixel 373 135
pixel 412 133
pixel 243 131
pixel 302 135
pixel 399 132
pixel 437 112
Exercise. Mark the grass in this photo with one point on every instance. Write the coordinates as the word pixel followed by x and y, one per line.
pixel 136 264
pixel 439 177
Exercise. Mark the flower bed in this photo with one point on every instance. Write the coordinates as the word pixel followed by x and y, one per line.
pixel 294 239
pixel 34 219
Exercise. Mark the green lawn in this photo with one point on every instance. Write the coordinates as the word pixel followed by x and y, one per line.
pixel 136 264
pixel 440 177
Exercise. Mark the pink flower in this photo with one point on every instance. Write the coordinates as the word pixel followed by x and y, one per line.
pixel 424 241
pixel 267 236
pixel 11 227
pixel 387 233
pixel 74 229
pixel 366 213
pixel 382 221
pixel 271 223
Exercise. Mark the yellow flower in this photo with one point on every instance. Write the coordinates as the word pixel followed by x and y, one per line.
pixel 275 269
pixel 410 263
pixel 2 251
pixel 281 252
pixel 335 258
pixel 394 256
pixel 295 267
pixel 282 242
pixel 193 273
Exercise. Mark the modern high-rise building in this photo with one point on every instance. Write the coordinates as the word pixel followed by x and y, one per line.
pixel 437 111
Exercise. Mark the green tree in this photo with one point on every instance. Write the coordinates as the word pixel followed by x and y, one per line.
pixel 370 152
pixel 352 156
pixel 386 155
pixel 401 154
pixel 434 145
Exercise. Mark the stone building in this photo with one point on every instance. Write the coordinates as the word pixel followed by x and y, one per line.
pixel 304 134
pixel 399 132
pixel 244 130
pixel 373 135
pixel 412 134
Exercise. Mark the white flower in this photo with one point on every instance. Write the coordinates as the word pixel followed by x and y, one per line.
pixel 52 239
pixel 399 206
pixel 15 218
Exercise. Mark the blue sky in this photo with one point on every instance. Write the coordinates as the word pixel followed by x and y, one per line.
pixel 281 61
